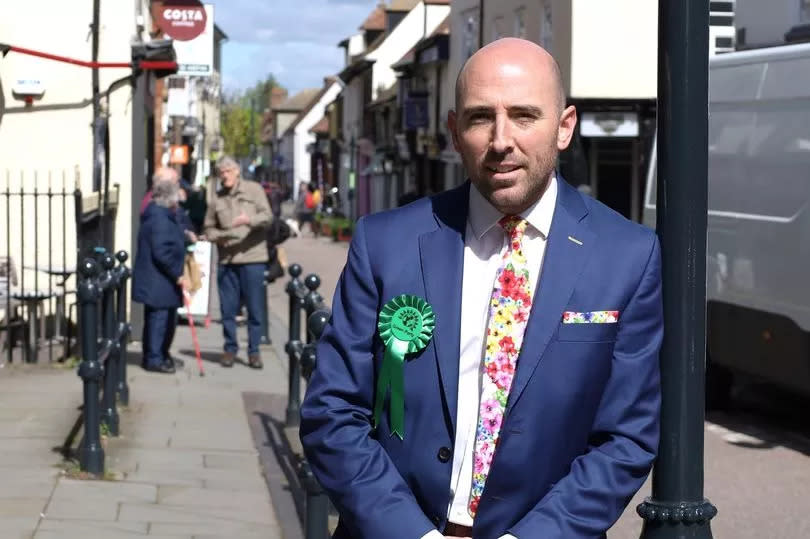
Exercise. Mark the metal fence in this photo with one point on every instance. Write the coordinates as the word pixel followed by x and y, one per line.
pixel 304 298
pixel 102 302
pixel 36 262
pixel 46 224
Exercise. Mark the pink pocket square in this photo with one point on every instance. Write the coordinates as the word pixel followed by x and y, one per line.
pixel 591 317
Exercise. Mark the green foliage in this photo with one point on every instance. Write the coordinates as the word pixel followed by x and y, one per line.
pixel 241 110
pixel 236 130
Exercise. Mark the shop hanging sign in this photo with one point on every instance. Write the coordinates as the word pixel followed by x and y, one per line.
pixel 181 20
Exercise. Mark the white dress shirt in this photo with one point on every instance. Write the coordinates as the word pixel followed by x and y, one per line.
pixel 484 245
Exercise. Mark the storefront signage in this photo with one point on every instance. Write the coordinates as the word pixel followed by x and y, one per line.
pixel 181 20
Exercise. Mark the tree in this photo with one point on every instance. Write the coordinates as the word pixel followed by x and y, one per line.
pixel 236 130
pixel 241 118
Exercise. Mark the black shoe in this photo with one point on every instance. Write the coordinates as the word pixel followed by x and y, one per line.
pixel 176 362
pixel 163 368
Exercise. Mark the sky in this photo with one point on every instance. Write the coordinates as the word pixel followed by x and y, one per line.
pixel 295 40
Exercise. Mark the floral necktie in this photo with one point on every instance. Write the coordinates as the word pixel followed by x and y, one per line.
pixel 508 313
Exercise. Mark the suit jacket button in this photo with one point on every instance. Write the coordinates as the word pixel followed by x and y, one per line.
pixel 445 454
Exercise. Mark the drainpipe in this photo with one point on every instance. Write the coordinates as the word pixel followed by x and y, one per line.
pixel 97 123
pixel 480 23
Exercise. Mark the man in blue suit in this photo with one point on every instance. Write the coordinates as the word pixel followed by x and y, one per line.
pixel 531 409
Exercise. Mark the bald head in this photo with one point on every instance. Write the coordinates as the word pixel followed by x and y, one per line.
pixel 522 54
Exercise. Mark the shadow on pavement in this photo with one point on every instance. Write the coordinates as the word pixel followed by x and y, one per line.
pixel 279 462
pixel 766 416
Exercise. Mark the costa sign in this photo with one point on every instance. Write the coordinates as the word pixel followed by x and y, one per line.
pixel 181 20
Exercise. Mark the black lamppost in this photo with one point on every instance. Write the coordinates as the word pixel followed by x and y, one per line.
pixel 677 508
pixel 352 176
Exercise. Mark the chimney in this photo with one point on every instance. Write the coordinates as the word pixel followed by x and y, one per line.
pixel 277 96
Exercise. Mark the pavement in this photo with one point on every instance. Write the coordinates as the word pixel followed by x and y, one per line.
pixel 198 457
pixel 208 457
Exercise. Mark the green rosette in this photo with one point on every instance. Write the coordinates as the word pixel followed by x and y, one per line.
pixel 406 326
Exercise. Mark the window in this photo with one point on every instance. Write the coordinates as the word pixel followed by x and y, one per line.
pixel 520 23
pixel 497 28
pixel 470 32
pixel 804 10
pixel 546 31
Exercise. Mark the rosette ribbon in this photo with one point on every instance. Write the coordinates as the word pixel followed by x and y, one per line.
pixel 406 326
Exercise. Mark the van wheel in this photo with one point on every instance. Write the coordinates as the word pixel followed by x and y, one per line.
pixel 719 381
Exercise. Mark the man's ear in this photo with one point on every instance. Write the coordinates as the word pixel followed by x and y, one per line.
pixel 568 121
pixel 452 125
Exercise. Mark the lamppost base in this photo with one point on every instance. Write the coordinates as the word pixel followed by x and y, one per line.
pixel 676 520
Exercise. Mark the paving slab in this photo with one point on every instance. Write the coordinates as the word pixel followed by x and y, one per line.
pixel 18 527
pixel 190 514
pixel 220 529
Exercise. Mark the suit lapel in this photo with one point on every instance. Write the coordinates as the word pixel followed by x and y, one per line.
pixel 442 256
pixel 563 262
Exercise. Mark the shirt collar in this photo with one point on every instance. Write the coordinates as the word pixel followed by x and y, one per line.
pixel 483 215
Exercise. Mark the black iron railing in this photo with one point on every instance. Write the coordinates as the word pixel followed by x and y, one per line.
pixel 304 298
pixel 102 296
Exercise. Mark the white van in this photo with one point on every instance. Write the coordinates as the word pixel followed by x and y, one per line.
pixel 758 267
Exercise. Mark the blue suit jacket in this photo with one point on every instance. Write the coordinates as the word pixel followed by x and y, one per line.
pixel 158 259
pixel 580 430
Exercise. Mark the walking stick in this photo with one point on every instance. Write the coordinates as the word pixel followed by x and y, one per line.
pixel 193 333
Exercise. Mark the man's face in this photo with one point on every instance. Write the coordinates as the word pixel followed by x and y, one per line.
pixel 509 130
pixel 229 176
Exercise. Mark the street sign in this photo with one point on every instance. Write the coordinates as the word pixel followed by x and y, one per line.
pixel 196 56
pixel 199 299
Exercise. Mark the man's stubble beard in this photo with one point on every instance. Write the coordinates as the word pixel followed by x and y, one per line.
pixel 535 186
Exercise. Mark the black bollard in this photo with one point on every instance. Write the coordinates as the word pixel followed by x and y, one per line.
pixel 122 388
pixel 108 283
pixel 91 454
pixel 316 525
pixel 316 322
pixel 313 300
pixel 295 291
pixel 266 311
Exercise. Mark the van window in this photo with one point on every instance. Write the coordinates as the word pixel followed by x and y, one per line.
pixel 734 83
pixel 787 79
pixel 778 169
pixel 729 136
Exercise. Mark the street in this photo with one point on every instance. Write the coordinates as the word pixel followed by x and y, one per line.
pixel 757 454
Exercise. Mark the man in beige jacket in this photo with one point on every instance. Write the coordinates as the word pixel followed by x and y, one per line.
pixel 236 220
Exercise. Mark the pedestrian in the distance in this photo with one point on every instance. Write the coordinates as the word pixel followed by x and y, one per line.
pixel 305 207
pixel 157 277
pixel 236 222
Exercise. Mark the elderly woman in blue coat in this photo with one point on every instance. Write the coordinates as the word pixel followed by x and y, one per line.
pixel 157 278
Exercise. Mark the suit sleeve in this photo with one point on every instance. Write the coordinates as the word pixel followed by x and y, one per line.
pixel 372 497
pixel 624 437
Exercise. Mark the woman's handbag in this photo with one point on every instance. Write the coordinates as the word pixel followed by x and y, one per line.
pixel 191 273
